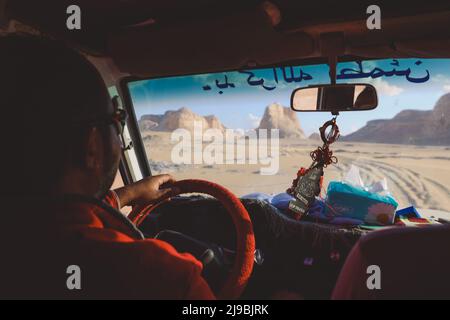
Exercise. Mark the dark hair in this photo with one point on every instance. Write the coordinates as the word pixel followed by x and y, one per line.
pixel 45 86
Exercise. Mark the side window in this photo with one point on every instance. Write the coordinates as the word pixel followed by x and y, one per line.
pixel 113 91
pixel 118 181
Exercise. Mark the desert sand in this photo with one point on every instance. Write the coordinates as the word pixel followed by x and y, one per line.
pixel 416 175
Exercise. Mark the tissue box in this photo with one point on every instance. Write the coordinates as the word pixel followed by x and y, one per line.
pixel 348 201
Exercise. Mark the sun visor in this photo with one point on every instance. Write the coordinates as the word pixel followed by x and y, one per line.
pixel 227 43
pixel 374 51
pixel 3 17
pixel 424 48
pixel 438 48
pixel 421 36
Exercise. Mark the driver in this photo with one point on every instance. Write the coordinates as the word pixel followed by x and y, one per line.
pixel 63 234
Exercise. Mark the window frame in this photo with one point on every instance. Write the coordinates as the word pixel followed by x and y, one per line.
pixel 133 129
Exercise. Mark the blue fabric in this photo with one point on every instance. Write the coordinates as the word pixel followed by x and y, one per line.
pixel 258 196
pixel 316 212
pixel 281 201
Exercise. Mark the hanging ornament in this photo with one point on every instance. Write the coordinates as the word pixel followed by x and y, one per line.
pixel 308 182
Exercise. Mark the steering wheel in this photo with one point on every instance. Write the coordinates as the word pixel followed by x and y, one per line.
pixel 244 259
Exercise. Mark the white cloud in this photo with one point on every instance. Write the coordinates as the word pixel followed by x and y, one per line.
pixel 440 78
pixel 254 120
pixel 443 80
pixel 383 87
pixel 369 64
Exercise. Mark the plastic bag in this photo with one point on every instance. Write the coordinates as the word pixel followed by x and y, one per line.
pixel 353 177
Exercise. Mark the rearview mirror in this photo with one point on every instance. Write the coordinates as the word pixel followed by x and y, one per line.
pixel 335 98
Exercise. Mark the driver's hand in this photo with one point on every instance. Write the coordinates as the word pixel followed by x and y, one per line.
pixel 147 191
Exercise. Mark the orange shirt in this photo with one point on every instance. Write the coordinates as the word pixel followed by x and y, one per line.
pixel 43 238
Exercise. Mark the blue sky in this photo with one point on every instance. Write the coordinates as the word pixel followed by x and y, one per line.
pixel 243 105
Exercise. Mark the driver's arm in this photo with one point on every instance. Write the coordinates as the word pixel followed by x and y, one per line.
pixel 153 269
pixel 180 273
pixel 146 191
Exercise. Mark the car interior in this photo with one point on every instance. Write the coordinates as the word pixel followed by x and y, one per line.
pixel 349 124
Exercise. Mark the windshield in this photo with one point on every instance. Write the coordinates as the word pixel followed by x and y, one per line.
pixel 236 128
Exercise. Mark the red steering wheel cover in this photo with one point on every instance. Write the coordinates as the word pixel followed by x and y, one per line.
pixel 245 238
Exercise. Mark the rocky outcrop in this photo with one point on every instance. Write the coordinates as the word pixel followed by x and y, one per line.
pixel 278 117
pixel 183 118
pixel 315 136
pixel 214 122
pixel 410 127
pixel 149 122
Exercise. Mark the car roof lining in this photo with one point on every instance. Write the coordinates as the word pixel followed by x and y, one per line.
pixel 199 37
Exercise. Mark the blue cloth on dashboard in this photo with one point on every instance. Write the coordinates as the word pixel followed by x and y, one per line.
pixel 279 201
pixel 316 212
